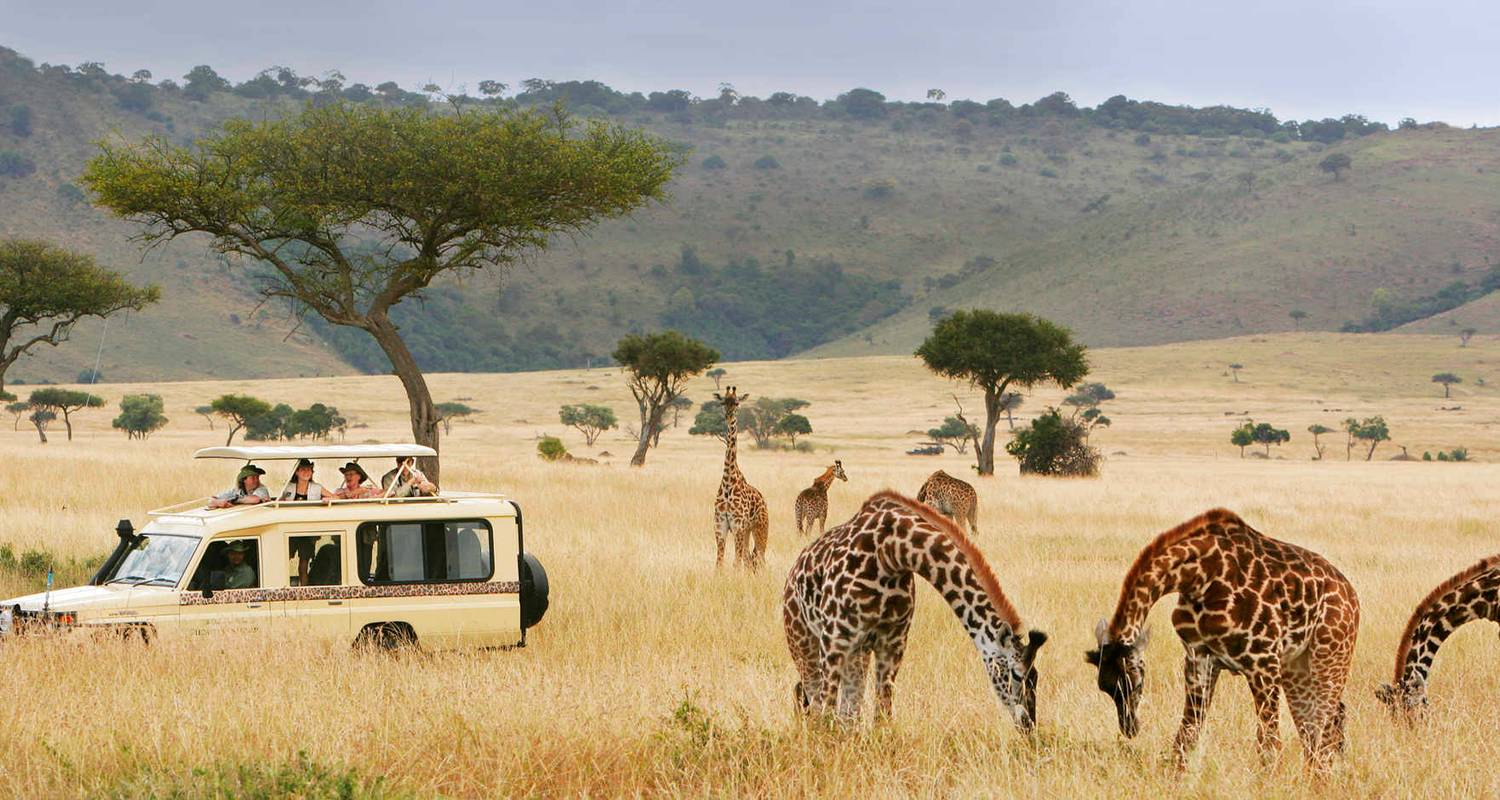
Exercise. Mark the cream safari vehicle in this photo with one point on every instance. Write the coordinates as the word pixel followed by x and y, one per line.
pixel 438 572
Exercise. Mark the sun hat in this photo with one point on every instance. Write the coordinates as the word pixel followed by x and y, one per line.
pixel 237 546
pixel 303 462
pixel 248 470
pixel 354 467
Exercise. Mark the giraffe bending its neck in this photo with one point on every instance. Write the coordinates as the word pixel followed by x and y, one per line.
pixel 739 508
pixel 1278 614
pixel 1473 594
pixel 849 598
pixel 812 502
pixel 953 497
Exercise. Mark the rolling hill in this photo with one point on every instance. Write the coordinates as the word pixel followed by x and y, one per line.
pixel 835 229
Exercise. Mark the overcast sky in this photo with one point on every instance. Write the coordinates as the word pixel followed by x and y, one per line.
pixel 1385 59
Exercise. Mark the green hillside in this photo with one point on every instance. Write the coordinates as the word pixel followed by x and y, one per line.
pixel 836 228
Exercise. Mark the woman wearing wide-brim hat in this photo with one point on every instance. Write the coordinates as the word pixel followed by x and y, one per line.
pixel 354 487
pixel 302 486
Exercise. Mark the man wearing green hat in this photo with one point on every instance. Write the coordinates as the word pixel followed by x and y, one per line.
pixel 238 574
pixel 247 490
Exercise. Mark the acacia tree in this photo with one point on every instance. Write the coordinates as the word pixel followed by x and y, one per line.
pixel 1297 316
pixel 45 290
pixel 1447 379
pixel 710 421
pixel 354 208
pixel 1371 429
pixel 206 412
pixel 452 410
pixel 1318 446
pixel 140 415
pixel 954 433
pixel 1336 163
pixel 657 367
pixel 41 418
pixel 717 373
pixel 18 408
pixel 65 402
pixel 238 410
pixel 1242 437
pixel 589 420
pixel 1234 370
pixel 763 417
pixel 994 351
pixel 1465 335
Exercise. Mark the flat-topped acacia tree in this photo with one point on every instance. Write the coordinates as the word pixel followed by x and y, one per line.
pixel 355 208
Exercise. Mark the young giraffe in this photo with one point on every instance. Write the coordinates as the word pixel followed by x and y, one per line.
pixel 1278 614
pixel 812 502
pixel 953 497
pixel 739 508
pixel 849 598
pixel 1473 594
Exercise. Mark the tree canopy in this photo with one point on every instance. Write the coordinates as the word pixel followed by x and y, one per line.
pixel 456 193
pixel 1336 163
pixel 45 290
pixel 1371 429
pixel 993 351
pixel 140 415
pixel 658 366
pixel 237 411
pixel 1447 379
pixel 65 402
pixel 589 420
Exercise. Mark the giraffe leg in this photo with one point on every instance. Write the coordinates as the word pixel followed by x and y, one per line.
pixel 888 656
pixel 719 542
pixel 1333 653
pixel 1265 693
pixel 741 545
pixel 974 520
pixel 1307 710
pixel 760 533
pixel 852 685
pixel 832 669
pixel 806 656
pixel 1200 675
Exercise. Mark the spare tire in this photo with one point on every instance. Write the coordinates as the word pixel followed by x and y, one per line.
pixel 533 590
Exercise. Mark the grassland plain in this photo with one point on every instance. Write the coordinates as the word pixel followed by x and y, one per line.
pixel 655 675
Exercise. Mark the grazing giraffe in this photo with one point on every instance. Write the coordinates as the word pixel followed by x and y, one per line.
pixel 739 508
pixel 1278 614
pixel 1473 594
pixel 812 502
pixel 849 598
pixel 953 497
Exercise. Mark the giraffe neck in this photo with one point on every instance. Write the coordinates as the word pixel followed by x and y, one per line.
pixel 1454 604
pixel 731 459
pixel 1159 571
pixel 822 482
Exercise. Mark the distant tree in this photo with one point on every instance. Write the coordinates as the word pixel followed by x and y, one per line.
pixel 1009 402
pixel 863 103
pixel 792 426
pixel 710 421
pixel 19 408
pixel 1447 379
pixel 1242 437
pixel 90 376
pixel 492 88
pixel 41 418
pixel 1266 434
pixel 141 76
pixel 1335 164
pixel 1371 429
pixel 1318 446
pixel 272 425
pixel 994 351
pixel 717 373
pixel 237 411
pixel 459 193
pixel 762 418
pixel 140 415
pixel 316 421
pixel 452 410
pixel 45 290
pixel 206 412
pixel 954 433
pixel 679 405
pixel 936 95
pixel 201 81
pixel 20 120
pixel 1297 316
pixel 767 162
pixel 714 162
pixel 589 420
pixel 1247 180
pixel 65 402
pixel 658 367
pixel 1465 335
pixel 1054 445
pixel 1234 369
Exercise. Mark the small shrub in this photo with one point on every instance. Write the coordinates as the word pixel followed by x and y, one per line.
pixel 767 162
pixel 550 448
pixel 714 162
pixel 880 189
pixel 20 121
pixel 15 165
pixel 1054 445
pixel 70 195
pixel 1047 172
pixel 1009 160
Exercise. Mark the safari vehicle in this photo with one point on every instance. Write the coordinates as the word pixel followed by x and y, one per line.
pixel 440 572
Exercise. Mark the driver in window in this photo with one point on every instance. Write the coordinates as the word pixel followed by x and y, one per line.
pixel 238 574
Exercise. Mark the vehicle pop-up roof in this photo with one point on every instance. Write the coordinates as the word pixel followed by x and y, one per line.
pixel 352 452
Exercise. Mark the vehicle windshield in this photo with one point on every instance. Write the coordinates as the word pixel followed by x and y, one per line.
pixel 155 559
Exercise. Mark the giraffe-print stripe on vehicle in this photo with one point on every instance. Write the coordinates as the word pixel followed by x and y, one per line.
pixel 222 596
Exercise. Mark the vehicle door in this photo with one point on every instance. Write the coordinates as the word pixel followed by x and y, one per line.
pixel 435 576
pixel 316 568
pixel 221 598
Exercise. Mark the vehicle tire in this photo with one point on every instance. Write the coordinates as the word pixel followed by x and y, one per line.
pixel 533 590
pixel 386 637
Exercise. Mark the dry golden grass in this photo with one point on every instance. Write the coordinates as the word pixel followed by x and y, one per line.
pixel 652 674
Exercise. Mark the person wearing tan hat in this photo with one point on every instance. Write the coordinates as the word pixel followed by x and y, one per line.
pixel 355 481
pixel 247 490
pixel 302 486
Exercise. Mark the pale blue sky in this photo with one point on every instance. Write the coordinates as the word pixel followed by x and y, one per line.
pixel 1385 58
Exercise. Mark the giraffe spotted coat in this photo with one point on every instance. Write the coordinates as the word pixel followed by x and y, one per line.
pixel 812 502
pixel 848 601
pixel 1276 613
pixel 1469 596
pixel 739 508
pixel 953 497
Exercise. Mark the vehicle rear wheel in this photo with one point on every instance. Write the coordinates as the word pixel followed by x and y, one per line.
pixel 386 637
pixel 533 590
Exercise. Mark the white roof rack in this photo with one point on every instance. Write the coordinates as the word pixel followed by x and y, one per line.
pixel 335 451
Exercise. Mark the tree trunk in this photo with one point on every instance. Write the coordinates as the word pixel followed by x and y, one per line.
pixel 651 420
pixel 233 429
pixel 424 417
pixel 41 431
pixel 1445 391
pixel 1371 452
pixel 986 448
pixel 68 423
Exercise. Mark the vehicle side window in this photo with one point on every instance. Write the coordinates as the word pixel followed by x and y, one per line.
pixel 443 551
pixel 315 560
pixel 216 559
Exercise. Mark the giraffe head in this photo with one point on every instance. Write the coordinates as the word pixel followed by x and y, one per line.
pixel 838 471
pixel 1407 701
pixel 1014 676
pixel 1122 673
pixel 730 400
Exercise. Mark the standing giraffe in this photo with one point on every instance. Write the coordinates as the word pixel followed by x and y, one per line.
pixel 739 508
pixel 953 497
pixel 812 502
pixel 1472 594
pixel 849 597
pixel 1278 614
